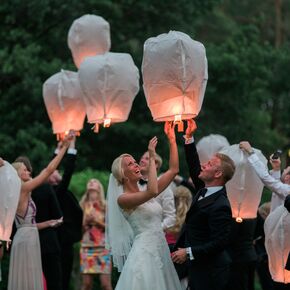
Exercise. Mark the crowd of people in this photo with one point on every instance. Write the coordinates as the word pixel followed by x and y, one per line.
pixel 160 231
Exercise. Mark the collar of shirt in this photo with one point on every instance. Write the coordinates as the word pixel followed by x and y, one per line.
pixel 211 190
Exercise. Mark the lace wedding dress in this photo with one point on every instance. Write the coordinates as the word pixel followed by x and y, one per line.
pixel 149 265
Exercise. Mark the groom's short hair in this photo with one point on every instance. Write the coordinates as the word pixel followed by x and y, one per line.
pixel 227 166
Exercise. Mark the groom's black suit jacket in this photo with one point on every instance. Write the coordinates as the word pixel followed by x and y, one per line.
pixel 206 230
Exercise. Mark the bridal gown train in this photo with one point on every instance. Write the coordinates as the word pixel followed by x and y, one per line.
pixel 149 265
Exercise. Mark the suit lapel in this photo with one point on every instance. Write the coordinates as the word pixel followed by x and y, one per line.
pixel 210 199
pixel 206 201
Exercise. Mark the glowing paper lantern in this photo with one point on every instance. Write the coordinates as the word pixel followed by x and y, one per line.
pixel 209 145
pixel 110 83
pixel 10 185
pixel 277 243
pixel 174 75
pixel 244 190
pixel 89 35
pixel 63 99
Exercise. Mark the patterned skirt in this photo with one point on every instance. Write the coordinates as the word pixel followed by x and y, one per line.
pixel 95 260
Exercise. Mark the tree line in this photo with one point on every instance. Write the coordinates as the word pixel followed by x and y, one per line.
pixel 247 95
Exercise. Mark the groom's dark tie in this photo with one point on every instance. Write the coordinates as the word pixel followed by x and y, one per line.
pixel 200 193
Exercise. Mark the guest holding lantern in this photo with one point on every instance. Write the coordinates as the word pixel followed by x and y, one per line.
pixel 25 270
pixel 272 180
pixel 94 258
pixel 276 199
pixel 279 187
pixel 48 208
pixel 134 231
pixel 244 193
pixel 200 251
pixel 282 189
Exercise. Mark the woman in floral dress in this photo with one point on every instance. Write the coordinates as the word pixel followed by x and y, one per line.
pixel 94 258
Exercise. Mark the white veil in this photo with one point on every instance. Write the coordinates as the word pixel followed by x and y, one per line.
pixel 119 234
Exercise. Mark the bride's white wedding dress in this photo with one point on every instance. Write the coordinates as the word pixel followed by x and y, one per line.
pixel 149 265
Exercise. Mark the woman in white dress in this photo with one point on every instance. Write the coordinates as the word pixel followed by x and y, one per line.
pixel 134 231
pixel 25 270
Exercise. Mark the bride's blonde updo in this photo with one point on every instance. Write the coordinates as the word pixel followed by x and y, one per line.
pixel 117 169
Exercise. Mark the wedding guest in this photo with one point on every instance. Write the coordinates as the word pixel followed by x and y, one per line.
pixel 165 198
pixel 182 200
pixel 25 270
pixel 94 257
pixel 279 187
pixel 48 208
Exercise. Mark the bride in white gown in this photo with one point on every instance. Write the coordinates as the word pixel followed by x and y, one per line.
pixel 134 232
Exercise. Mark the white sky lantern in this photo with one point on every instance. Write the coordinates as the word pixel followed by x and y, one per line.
pixel 110 83
pixel 175 75
pixel 64 103
pixel 277 243
pixel 209 145
pixel 245 189
pixel 89 35
pixel 9 196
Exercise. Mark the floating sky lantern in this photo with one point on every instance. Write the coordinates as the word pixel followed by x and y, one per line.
pixel 9 196
pixel 175 75
pixel 64 103
pixel 277 243
pixel 209 145
pixel 245 189
pixel 89 35
pixel 110 83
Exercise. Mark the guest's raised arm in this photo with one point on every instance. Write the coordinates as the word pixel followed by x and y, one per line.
pixel 50 168
pixel 280 188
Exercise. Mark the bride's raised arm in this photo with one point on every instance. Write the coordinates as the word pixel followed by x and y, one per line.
pixel 173 169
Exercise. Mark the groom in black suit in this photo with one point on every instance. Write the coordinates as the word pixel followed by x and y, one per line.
pixel 200 251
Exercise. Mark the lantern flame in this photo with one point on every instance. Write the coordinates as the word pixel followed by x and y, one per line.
pixel 96 128
pixel 61 136
pixel 107 123
pixel 179 122
pixel 177 118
